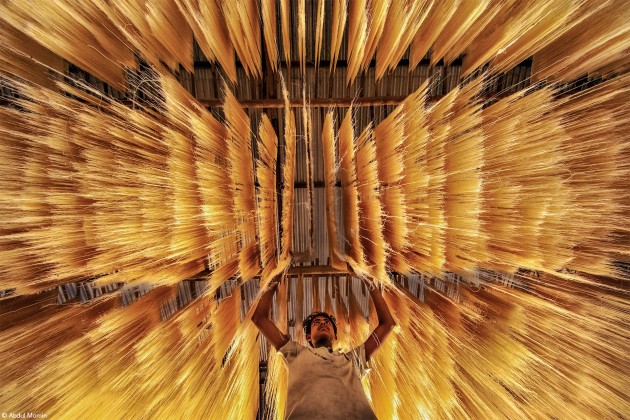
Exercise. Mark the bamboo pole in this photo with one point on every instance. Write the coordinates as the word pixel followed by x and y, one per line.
pixel 333 102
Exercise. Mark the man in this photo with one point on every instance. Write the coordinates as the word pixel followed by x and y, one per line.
pixel 324 383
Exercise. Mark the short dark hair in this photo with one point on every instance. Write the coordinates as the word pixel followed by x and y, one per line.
pixel 306 324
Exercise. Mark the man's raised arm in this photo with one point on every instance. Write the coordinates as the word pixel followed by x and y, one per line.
pixel 385 323
pixel 261 317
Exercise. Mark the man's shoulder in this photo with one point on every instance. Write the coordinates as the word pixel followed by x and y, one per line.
pixel 291 349
pixel 357 356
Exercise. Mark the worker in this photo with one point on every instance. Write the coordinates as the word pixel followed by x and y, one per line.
pixel 324 383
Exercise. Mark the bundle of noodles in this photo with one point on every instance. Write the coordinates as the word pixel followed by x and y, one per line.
pixel 216 194
pixel 225 324
pixel 39 327
pixel 170 28
pixel 267 195
pixel 488 359
pixel 223 272
pixel 480 21
pixel 339 17
pixel 423 340
pixel 200 370
pixel 277 375
pixel 101 214
pixel 173 272
pixel 576 348
pixel 557 231
pixel 403 21
pixel 58 26
pixel 178 104
pixel 285 20
pixel 301 27
pixel 99 360
pixel 128 325
pixel 350 195
pixel 268 16
pixel 243 25
pixel 433 231
pixel 439 14
pixel 71 149
pixel 307 254
pixel 18 263
pixel 460 22
pixel 330 176
pixel 516 203
pixel 194 320
pixel 288 175
pixel 389 136
pixel 189 239
pixel 123 166
pixel 239 377
pixel 502 195
pixel 370 221
pixel 382 387
pixel 482 355
pixel 465 245
pixel 59 236
pixel 520 29
pixel 282 298
pixel 54 395
pixel 357 36
pixel 215 44
pixel 597 38
pixel 446 330
pixel 377 13
pixel 596 156
pixel 162 354
pixel 164 363
pixel 23 57
pixel 67 157
pixel 414 182
pixel 188 366
pixel 210 207
pixel 242 181
pixel 319 31
pixel 157 30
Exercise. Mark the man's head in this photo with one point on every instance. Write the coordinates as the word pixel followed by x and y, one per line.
pixel 320 329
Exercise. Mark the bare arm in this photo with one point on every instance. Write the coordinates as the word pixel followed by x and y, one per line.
pixel 385 324
pixel 262 321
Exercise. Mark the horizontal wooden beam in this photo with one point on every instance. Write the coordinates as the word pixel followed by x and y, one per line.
pixel 316 270
pixel 325 64
pixel 335 102
pixel 313 102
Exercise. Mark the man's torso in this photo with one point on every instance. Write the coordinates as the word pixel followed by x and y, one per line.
pixel 324 384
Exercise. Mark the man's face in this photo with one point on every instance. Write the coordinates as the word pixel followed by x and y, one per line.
pixel 322 332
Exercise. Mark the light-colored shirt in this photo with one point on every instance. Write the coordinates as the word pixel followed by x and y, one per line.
pixel 324 384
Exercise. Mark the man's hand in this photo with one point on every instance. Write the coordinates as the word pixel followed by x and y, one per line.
pixel 261 316
pixel 385 323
